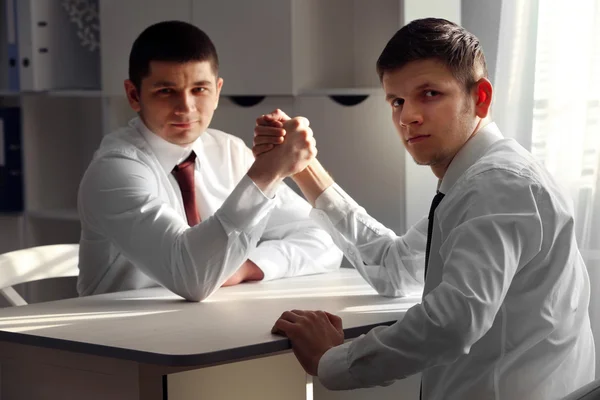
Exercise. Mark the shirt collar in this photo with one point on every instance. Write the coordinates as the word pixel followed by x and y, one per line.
pixel 168 154
pixel 472 151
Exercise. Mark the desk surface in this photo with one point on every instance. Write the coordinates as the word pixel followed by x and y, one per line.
pixel 157 327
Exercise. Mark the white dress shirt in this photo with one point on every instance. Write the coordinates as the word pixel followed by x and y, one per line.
pixel 135 232
pixel 504 313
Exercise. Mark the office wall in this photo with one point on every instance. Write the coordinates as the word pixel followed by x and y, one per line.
pixel 482 18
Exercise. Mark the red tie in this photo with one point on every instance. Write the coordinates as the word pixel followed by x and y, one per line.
pixel 184 174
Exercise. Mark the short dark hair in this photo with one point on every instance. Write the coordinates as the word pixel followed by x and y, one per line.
pixel 174 41
pixel 435 38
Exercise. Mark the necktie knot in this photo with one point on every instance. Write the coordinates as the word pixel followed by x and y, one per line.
pixel 437 199
pixel 184 175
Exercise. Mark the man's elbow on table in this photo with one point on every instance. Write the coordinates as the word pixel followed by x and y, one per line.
pixel 385 287
pixel 194 290
pixel 195 295
pixel 248 271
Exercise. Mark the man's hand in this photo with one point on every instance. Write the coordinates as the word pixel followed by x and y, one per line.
pixel 247 272
pixel 312 333
pixel 269 132
pixel 290 157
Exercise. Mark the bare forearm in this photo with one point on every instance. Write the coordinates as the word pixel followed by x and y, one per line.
pixel 313 181
pixel 248 271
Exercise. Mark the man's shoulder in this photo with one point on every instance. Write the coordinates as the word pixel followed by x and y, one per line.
pixel 125 140
pixel 504 173
pixel 508 160
pixel 121 152
pixel 508 171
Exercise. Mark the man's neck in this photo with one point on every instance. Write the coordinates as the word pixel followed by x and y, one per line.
pixel 439 169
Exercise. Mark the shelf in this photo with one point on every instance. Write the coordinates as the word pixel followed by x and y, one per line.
pixel 9 93
pixel 75 93
pixel 366 91
pixel 61 93
pixel 56 214
pixel 55 93
pixel 11 214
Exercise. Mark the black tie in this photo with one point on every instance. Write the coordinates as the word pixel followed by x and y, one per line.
pixel 436 202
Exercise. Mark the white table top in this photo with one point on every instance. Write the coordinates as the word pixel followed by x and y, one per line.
pixel 155 326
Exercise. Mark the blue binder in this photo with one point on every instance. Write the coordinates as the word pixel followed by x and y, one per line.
pixel 11 161
pixel 13 45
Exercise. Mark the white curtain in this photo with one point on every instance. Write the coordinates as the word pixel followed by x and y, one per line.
pixel 548 98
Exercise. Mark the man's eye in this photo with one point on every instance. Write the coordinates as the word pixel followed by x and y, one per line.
pixel 431 93
pixel 397 102
pixel 165 91
pixel 199 90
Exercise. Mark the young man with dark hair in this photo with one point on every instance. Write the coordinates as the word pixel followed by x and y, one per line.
pixel 167 201
pixel 504 313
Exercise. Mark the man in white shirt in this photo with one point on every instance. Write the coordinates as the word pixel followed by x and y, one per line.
pixel 166 201
pixel 504 313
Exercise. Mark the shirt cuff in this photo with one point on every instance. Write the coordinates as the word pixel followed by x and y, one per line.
pixel 269 194
pixel 246 206
pixel 334 370
pixel 335 203
pixel 269 258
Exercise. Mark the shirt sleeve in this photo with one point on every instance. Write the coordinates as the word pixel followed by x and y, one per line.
pixel 292 243
pixel 393 265
pixel 119 197
pixel 488 233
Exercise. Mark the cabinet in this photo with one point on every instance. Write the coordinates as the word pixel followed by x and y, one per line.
pixel 289 47
pixel 250 36
pixel 120 24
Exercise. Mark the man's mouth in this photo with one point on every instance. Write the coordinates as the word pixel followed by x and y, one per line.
pixel 183 124
pixel 416 139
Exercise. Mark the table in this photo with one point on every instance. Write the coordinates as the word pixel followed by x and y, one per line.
pixel 150 344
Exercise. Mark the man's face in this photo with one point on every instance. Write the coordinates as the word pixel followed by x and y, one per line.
pixel 176 101
pixel 431 111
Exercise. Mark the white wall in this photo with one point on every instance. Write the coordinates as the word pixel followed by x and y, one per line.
pixel 482 18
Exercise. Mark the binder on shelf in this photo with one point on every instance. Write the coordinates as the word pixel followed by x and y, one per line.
pixel 3 48
pixel 11 161
pixel 12 46
pixel 58 45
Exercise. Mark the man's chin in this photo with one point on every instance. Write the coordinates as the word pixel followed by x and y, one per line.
pixel 422 161
pixel 185 137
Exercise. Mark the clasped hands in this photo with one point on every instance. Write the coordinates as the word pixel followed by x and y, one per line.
pixel 283 147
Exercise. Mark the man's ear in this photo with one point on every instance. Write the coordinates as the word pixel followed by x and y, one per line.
pixel 133 95
pixel 219 87
pixel 483 92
